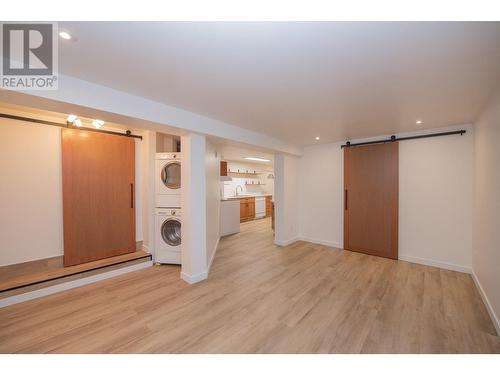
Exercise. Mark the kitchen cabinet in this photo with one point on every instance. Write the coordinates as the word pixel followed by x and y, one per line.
pixel 243 210
pixel 251 208
pixel 269 205
pixel 223 168
pixel 247 209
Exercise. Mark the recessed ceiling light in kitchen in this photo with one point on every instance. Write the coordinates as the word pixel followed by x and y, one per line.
pixel 256 159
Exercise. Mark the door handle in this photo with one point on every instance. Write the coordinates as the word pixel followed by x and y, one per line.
pixel 345 199
pixel 131 195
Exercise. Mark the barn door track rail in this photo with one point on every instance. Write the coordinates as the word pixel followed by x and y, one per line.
pixel 394 138
pixel 127 133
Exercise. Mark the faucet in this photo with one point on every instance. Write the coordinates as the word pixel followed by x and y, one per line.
pixel 239 186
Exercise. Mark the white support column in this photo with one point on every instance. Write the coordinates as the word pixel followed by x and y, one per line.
pixel 193 177
pixel 285 199
pixel 279 194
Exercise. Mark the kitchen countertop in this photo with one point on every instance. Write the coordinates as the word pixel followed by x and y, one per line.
pixel 245 196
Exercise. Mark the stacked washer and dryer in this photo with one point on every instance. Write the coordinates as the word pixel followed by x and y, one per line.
pixel 168 207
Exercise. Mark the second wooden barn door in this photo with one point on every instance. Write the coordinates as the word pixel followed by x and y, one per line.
pixel 371 199
pixel 98 195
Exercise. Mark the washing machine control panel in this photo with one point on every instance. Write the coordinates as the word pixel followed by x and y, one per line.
pixel 168 155
pixel 168 211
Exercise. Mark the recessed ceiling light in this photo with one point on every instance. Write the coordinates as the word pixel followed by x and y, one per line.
pixel 98 123
pixel 317 138
pixel 65 35
pixel 71 118
pixel 419 122
pixel 77 122
pixel 256 159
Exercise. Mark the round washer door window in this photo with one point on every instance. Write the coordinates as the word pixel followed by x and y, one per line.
pixel 171 175
pixel 171 232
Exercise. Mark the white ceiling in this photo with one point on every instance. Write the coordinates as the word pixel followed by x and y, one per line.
pixel 295 81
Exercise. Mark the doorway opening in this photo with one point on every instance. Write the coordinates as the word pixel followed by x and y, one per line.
pixel 246 188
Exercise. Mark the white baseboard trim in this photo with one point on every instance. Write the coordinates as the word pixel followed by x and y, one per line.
pixel 287 242
pixel 321 242
pixel 435 263
pixel 213 255
pixel 71 284
pixel 192 279
pixel 487 303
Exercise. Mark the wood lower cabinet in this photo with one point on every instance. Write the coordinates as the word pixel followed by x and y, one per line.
pixel 223 168
pixel 243 210
pixel 269 205
pixel 247 209
pixel 251 208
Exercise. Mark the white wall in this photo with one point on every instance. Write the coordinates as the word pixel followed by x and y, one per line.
pixel 321 195
pixel 286 190
pixel 486 239
pixel 31 221
pixel 435 198
pixel 212 165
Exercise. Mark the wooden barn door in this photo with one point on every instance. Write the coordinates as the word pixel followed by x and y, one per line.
pixel 98 195
pixel 371 199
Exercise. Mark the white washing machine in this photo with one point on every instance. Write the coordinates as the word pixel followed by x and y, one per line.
pixel 168 179
pixel 168 236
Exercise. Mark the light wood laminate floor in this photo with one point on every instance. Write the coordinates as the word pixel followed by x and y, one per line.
pixel 260 298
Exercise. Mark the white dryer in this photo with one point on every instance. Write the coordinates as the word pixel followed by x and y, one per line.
pixel 168 236
pixel 168 179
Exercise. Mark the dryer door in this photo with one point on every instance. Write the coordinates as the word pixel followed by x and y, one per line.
pixel 171 232
pixel 171 175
